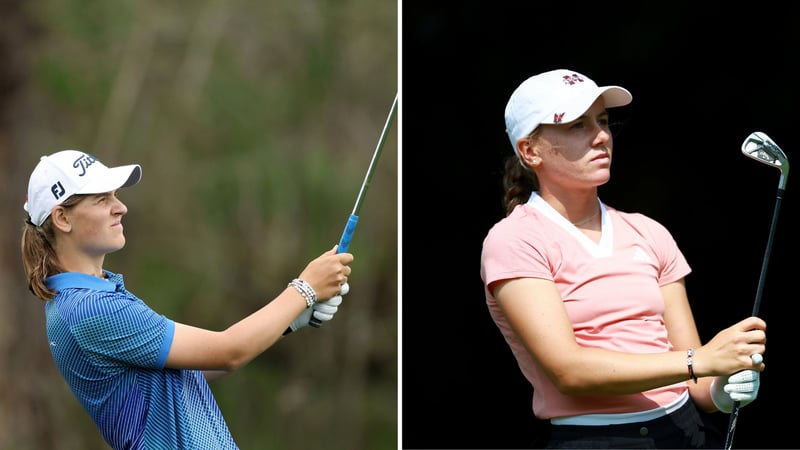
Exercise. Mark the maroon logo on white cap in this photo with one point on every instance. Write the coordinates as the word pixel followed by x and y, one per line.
pixel 558 117
pixel 83 163
pixel 572 79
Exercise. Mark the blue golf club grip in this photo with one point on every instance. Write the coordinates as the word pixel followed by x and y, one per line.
pixel 347 234
pixel 344 244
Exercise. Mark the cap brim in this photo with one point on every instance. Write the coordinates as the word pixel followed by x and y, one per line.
pixel 575 107
pixel 614 96
pixel 114 178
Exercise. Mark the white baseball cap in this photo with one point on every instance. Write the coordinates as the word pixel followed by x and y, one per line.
pixel 557 96
pixel 69 172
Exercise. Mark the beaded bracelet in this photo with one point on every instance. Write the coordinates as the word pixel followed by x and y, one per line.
pixel 305 290
pixel 689 363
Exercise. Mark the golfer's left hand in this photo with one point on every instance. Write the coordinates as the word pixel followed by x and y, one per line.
pixel 740 387
pixel 322 311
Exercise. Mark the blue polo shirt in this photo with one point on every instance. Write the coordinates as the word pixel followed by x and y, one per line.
pixel 111 349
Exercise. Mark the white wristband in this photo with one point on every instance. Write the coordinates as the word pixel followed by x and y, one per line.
pixel 305 290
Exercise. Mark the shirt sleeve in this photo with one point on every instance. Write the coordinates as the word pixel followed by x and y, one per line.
pixel 672 262
pixel 116 330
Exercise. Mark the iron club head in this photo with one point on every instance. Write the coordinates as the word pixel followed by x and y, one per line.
pixel 762 148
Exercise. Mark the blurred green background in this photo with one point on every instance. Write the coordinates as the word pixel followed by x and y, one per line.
pixel 254 123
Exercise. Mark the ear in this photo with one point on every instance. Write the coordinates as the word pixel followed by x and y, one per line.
pixel 528 152
pixel 60 219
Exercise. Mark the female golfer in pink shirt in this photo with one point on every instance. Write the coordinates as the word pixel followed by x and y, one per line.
pixel 591 300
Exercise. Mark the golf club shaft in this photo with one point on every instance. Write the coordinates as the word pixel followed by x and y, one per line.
pixel 352 221
pixel 347 234
pixel 756 305
pixel 762 278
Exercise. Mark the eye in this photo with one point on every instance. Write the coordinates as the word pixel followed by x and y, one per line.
pixel 102 198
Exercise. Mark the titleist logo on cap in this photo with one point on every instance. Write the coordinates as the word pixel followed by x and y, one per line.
pixel 83 163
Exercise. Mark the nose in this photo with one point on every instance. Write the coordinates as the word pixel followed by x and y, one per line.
pixel 119 207
pixel 602 134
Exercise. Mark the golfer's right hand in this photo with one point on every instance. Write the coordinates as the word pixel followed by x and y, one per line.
pixel 328 272
pixel 730 351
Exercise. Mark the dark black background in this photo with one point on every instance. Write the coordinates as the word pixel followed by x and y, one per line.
pixel 703 77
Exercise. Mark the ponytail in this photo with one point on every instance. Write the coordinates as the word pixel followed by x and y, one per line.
pixel 519 182
pixel 39 258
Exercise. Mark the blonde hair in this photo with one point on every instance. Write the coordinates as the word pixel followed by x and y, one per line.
pixel 39 258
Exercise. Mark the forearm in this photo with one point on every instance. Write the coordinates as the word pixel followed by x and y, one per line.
pixel 592 371
pixel 257 332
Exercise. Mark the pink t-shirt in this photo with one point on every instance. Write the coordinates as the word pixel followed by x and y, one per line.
pixel 610 290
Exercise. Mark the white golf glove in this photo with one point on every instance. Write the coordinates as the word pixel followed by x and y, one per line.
pixel 740 387
pixel 322 311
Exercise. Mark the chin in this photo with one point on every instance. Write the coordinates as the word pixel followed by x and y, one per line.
pixel 119 245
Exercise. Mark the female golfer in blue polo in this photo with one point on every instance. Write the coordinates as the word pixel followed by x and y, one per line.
pixel 139 374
